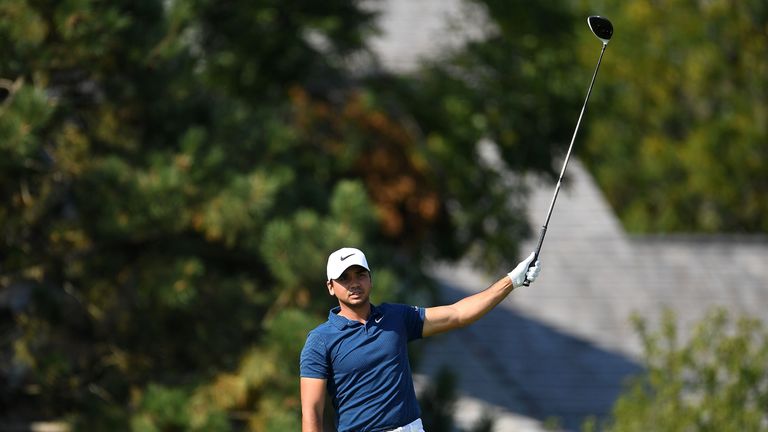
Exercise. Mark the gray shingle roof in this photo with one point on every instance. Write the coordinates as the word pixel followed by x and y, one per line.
pixel 412 30
pixel 563 346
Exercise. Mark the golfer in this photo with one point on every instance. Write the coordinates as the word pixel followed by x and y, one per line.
pixel 359 355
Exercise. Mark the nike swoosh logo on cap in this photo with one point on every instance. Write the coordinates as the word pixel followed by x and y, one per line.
pixel 343 258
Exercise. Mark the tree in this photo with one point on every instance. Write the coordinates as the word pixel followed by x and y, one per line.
pixel 154 206
pixel 714 381
pixel 509 88
pixel 678 144
pixel 438 404
pixel 174 174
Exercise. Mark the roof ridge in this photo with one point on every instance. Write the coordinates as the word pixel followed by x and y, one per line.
pixel 722 237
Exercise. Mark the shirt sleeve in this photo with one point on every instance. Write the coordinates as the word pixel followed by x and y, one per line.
pixel 414 321
pixel 314 361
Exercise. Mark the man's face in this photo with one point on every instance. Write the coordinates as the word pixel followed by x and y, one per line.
pixel 353 287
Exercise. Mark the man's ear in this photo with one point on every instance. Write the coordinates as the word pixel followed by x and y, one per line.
pixel 329 285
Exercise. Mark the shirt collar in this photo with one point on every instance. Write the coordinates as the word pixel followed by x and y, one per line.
pixel 340 322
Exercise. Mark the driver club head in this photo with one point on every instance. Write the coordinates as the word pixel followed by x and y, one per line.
pixel 601 27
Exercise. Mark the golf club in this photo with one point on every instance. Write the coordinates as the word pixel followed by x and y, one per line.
pixel 603 29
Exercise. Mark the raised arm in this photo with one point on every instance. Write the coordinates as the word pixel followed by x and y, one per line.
pixel 469 309
pixel 312 404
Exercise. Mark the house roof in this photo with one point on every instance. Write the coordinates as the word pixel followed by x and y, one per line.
pixel 562 347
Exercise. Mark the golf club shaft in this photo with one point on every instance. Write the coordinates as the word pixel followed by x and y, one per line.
pixel 565 164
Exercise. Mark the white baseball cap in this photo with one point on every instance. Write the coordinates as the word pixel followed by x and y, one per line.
pixel 343 259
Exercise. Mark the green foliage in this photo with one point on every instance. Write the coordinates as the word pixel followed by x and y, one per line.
pixel 163 409
pixel 715 381
pixel 512 88
pixel 677 127
pixel 438 403
pixel 175 173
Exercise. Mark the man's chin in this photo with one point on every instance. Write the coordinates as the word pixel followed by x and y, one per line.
pixel 357 300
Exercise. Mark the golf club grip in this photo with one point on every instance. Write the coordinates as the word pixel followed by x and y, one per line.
pixel 526 282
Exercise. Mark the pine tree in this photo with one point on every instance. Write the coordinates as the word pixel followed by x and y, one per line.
pixel 174 175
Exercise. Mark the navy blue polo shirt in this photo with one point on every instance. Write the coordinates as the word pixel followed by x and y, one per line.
pixel 366 366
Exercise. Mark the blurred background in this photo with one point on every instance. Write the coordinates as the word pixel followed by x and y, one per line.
pixel 174 174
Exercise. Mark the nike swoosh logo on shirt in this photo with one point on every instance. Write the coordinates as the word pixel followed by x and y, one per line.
pixel 343 258
pixel 378 319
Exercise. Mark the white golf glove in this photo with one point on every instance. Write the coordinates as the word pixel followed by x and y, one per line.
pixel 521 273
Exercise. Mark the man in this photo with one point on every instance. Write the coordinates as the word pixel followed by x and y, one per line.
pixel 359 355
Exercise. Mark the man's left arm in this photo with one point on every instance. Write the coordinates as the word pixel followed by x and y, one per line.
pixel 469 309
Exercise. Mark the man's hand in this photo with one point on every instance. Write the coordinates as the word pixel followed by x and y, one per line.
pixel 522 272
